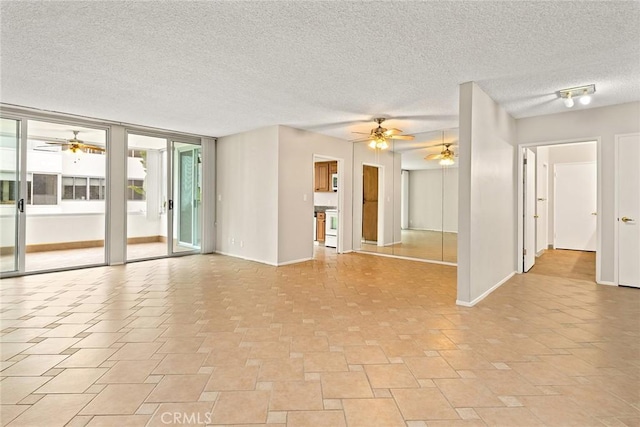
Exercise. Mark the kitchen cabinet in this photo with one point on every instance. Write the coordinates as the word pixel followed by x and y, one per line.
pixel 320 226
pixel 322 175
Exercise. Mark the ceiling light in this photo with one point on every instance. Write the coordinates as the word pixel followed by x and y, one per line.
pixel 583 93
pixel 446 161
pixel 568 101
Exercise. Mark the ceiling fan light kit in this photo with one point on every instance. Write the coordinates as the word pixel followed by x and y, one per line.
pixel 378 137
pixel 583 93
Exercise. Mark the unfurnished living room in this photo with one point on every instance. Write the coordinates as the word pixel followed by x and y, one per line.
pixel 319 213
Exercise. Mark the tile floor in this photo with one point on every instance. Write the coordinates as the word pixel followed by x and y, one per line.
pixel 349 340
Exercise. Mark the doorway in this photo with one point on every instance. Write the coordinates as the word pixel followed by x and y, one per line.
pixel 328 199
pixel 559 205
pixel 164 181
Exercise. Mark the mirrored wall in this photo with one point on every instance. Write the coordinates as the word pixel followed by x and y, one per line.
pixel 406 197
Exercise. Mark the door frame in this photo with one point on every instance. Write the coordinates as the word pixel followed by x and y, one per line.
pixel 341 197
pixel 173 174
pixel 520 195
pixel 616 226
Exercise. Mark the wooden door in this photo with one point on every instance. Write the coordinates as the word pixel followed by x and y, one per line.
pixel 333 168
pixel 320 227
pixel 370 203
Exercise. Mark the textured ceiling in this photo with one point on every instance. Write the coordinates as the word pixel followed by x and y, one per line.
pixel 218 68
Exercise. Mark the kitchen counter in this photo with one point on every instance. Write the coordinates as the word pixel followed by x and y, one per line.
pixel 317 209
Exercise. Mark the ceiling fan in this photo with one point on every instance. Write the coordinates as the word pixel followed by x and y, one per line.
pixel 446 156
pixel 378 136
pixel 75 145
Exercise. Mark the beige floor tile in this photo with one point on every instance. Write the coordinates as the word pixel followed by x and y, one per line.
pixel 87 358
pixel 302 344
pixel 66 331
pixel 228 378
pixel 142 335
pixel 390 376
pixel 52 410
pixel 129 372
pixel 178 388
pixel 118 399
pixel 296 396
pixel 99 340
pixel 541 373
pixel 136 351
pixel 508 417
pixel 464 359
pixel 14 389
pixel 372 413
pixel 281 370
pixel 51 346
pixel 325 362
pixel 558 410
pixel 269 350
pixel 430 367
pixel 345 385
pixel 33 365
pixel 467 393
pixel 73 380
pixel 254 406
pixel 180 364
pixel 423 404
pixel 364 354
pixel 182 414
pixel 11 412
pixel 228 357
pixel 10 349
pixel 180 345
pixel 119 420
pixel 316 419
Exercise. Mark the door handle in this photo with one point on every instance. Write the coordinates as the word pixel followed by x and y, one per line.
pixel 594 213
pixel 536 216
pixel 541 199
pixel 170 205
pixel 625 219
pixel 21 205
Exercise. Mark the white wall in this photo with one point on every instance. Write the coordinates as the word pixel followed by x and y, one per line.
pixel 586 125
pixel 295 183
pixel 391 185
pixel 323 198
pixel 487 187
pixel 433 199
pixel 247 195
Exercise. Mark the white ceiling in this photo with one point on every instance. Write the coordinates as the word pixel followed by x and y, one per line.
pixel 218 68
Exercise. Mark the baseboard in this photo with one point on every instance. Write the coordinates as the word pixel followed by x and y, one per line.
pixel 295 261
pixel 602 282
pixel 428 261
pixel 486 294
pixel 246 258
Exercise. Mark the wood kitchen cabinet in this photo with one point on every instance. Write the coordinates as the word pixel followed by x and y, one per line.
pixel 320 226
pixel 322 175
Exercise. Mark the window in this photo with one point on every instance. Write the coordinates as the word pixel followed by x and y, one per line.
pixel 45 189
pixel 135 189
pixel 7 192
pixel 141 154
pixel 75 188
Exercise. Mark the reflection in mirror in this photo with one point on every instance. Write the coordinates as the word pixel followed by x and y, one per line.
pixel 413 189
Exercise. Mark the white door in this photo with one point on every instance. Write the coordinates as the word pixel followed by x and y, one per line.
pixel 529 254
pixel 575 206
pixel 541 207
pixel 628 197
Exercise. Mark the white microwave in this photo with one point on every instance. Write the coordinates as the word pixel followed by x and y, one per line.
pixel 334 181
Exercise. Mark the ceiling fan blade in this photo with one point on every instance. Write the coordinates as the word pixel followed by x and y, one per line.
pixel 360 139
pixel 362 133
pixel 92 147
pixel 434 157
pixel 405 137
pixel 392 132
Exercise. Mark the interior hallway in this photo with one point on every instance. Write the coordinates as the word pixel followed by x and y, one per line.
pixel 569 264
pixel 349 340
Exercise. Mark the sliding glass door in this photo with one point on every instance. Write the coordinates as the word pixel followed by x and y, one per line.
pixel 163 197
pixel 10 202
pixel 187 184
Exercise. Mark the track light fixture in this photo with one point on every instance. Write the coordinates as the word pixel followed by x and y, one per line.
pixel 583 93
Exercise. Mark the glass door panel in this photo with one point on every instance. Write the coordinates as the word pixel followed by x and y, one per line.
pixel 187 169
pixel 9 194
pixel 147 197
pixel 65 209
